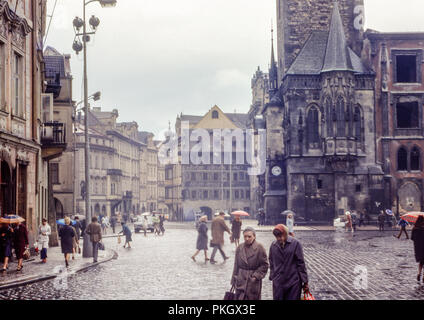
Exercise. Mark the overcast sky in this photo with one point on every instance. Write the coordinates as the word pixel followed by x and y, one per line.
pixel 153 59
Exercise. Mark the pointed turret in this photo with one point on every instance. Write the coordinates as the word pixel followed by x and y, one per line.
pixel 273 71
pixel 337 56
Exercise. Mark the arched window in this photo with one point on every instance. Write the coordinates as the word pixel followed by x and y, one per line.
pixel 312 127
pixel 402 158
pixel 215 114
pixel 341 123
pixel 358 124
pixel 329 117
pixel 415 159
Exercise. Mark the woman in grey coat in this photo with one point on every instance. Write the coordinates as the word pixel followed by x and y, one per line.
pixel 250 267
pixel 202 238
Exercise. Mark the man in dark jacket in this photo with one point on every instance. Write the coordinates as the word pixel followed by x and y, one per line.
pixel 381 219
pixel 94 229
pixel 287 266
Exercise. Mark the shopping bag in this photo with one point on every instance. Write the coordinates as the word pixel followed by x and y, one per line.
pixel 119 240
pixel 230 295
pixel 307 295
pixel 26 254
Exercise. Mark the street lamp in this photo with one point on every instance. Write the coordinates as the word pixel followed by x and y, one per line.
pixel 78 46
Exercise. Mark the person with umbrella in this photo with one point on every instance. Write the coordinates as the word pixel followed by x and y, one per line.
pixel 67 235
pixel 44 231
pixel 290 224
pixel 418 237
pixel 202 238
pixel 6 238
pixel 20 241
pixel 235 230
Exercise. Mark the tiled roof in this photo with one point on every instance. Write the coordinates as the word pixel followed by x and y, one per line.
pixel 54 65
pixel 327 51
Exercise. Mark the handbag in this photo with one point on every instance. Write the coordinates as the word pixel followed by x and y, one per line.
pixel 307 295
pixel 230 295
pixel 119 239
pixel 101 246
pixel 213 245
pixel 26 255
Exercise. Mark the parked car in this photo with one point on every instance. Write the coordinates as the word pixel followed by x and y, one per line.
pixel 138 225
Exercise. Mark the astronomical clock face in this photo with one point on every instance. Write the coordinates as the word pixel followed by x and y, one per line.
pixel 276 171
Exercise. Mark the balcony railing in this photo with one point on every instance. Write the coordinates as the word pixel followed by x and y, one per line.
pixel 53 133
pixel 53 140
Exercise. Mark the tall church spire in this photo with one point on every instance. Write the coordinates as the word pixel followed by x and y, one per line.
pixel 337 57
pixel 273 71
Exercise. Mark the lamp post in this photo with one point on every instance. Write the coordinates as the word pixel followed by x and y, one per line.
pixel 77 46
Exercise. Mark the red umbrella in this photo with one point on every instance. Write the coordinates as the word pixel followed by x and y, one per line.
pixel 412 217
pixel 240 213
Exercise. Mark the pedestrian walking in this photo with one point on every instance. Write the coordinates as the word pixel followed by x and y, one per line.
pixel 145 225
pixel 250 267
pixel 94 230
pixel 361 219
pixel 21 244
pixel 202 238
pixel 67 235
pixel 402 224
pixel 290 224
pixel 348 224
pixel 354 220
pixel 44 231
pixel 218 228
pixel 155 221
pixel 381 219
pixel 105 224
pixel 418 237
pixel 113 223
pixel 161 221
pixel 127 233
pixel 235 230
pixel 287 266
pixel 6 241
pixel 78 227
pixel 75 243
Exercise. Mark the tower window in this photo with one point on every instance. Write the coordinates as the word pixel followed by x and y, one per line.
pixel 402 159
pixel 313 128
pixel 319 184
pixel 407 115
pixel 406 68
pixel 415 159
pixel 358 188
pixel 215 114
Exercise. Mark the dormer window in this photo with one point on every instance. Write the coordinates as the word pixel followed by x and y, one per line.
pixel 215 114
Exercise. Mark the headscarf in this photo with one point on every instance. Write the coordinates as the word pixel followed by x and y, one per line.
pixel 282 228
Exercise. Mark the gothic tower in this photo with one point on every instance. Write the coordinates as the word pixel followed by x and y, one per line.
pixel 298 18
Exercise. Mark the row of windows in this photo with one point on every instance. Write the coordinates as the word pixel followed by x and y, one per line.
pixel 215 194
pixel 240 176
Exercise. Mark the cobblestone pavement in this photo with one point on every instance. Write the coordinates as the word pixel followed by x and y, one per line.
pixel 160 268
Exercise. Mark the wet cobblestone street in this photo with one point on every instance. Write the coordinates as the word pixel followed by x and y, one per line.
pixel 160 268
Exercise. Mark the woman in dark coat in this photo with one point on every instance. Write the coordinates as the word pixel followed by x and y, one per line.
pixel 418 237
pixel 6 236
pixel 202 238
pixel 20 241
pixel 67 235
pixel 235 230
pixel 250 267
